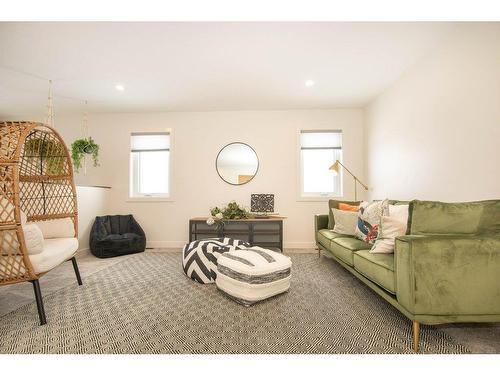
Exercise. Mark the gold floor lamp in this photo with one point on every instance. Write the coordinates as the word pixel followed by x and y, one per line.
pixel 336 168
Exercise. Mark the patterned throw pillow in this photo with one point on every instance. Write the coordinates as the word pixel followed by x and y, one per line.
pixel 369 219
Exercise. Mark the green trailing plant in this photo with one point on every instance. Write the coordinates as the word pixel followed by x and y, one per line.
pixel 47 151
pixel 82 147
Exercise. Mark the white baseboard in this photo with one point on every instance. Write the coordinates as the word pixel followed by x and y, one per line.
pixel 300 245
pixel 84 250
pixel 180 244
pixel 165 244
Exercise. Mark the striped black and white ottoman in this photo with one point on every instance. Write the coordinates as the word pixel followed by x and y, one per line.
pixel 253 274
pixel 199 258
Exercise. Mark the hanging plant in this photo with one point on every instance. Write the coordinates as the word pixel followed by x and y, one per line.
pixel 82 147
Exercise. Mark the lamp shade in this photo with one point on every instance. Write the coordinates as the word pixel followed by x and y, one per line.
pixel 335 167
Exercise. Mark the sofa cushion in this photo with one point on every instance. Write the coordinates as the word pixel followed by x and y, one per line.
pixel 352 243
pixel 121 237
pixel 112 237
pixel 344 247
pixel 57 228
pixel 55 251
pixel 324 236
pixel 379 268
pixel 130 236
pixel 335 204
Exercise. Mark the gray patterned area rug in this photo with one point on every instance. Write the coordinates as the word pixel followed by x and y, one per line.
pixel 145 304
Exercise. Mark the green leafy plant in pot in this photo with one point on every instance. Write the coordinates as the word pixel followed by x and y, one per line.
pixel 233 211
pixel 82 147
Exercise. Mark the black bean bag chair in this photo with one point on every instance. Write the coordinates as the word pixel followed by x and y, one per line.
pixel 116 235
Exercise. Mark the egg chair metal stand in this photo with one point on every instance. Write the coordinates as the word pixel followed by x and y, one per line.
pixel 36 178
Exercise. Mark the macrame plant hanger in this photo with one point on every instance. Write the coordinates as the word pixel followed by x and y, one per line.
pixel 85 134
pixel 50 107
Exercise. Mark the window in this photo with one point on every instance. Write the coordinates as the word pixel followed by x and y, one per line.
pixel 319 149
pixel 150 165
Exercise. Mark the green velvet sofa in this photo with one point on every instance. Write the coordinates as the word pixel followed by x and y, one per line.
pixel 445 269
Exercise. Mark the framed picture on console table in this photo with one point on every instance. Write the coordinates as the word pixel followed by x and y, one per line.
pixel 264 233
pixel 262 203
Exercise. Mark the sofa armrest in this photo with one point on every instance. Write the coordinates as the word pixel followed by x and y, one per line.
pixel 136 228
pixel 98 230
pixel 448 275
pixel 320 222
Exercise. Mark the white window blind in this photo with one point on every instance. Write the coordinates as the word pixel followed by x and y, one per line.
pixel 150 141
pixel 313 139
pixel 318 151
pixel 150 164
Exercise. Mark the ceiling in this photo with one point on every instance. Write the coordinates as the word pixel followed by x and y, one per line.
pixel 205 66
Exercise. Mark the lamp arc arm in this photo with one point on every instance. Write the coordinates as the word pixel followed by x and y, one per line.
pixel 352 174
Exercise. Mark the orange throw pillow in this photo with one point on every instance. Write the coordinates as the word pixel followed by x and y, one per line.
pixel 348 207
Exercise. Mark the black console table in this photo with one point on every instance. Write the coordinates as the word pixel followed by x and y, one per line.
pixel 267 233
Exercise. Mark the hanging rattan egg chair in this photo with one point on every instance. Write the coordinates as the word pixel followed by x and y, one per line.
pixel 37 190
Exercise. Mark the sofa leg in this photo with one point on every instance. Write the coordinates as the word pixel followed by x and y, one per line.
pixel 77 271
pixel 416 335
pixel 39 302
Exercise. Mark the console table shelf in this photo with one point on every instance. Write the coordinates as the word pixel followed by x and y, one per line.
pixel 258 232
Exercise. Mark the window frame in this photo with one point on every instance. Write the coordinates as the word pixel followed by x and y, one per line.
pixel 317 197
pixel 133 196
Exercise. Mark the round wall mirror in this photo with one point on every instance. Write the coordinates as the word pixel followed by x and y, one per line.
pixel 237 163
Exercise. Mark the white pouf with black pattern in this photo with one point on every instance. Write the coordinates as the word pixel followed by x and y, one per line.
pixel 199 258
pixel 253 274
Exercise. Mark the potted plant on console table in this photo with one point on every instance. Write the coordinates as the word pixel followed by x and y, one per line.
pixel 233 211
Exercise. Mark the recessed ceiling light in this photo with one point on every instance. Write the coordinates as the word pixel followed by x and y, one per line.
pixel 309 83
pixel 119 87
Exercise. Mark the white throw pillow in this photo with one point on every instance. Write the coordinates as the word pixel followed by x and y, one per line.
pixel 33 238
pixel 399 211
pixel 390 228
pixel 57 228
pixel 369 219
pixel 345 221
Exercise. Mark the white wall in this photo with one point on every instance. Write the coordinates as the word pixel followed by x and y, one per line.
pixel 92 202
pixel 197 138
pixel 435 134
